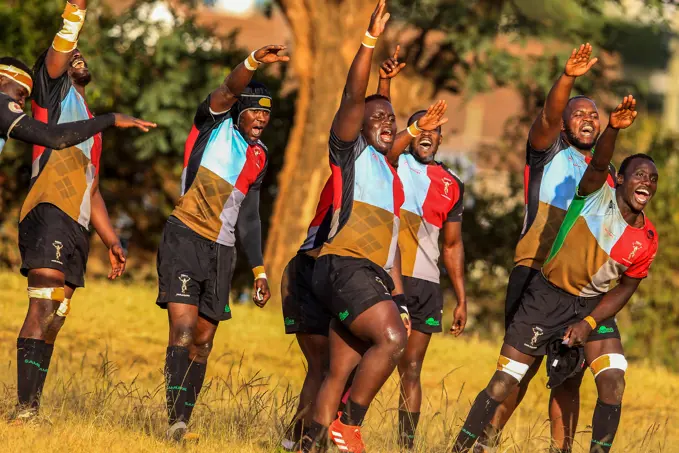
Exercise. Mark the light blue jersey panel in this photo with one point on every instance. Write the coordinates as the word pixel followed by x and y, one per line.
pixel 73 109
pixel 225 152
pixel 374 183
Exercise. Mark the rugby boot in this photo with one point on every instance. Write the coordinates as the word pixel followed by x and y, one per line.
pixel 346 438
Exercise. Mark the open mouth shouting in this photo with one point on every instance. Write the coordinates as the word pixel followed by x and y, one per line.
pixel 78 63
pixel 425 143
pixel 587 130
pixel 386 135
pixel 642 195
pixel 257 130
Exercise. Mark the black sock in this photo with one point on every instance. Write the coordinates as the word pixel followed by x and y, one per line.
pixel 604 426
pixel 195 384
pixel 176 380
pixel 29 356
pixel 299 430
pixel 47 351
pixel 354 413
pixel 479 416
pixel 407 425
pixel 316 435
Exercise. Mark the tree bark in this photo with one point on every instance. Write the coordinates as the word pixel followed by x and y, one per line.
pixel 327 34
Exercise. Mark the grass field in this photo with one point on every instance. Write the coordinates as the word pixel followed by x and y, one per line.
pixel 105 390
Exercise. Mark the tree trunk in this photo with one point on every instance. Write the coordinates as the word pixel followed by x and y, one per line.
pixel 327 34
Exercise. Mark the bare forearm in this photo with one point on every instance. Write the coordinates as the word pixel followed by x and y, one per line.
pixel 400 145
pixel 384 88
pixel 225 96
pixel 395 273
pixel 547 126
pixel 453 261
pixel 597 171
pixel 66 40
pixel 611 304
pixel 359 75
pixel 102 222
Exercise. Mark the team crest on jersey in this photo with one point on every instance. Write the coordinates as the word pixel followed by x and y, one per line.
pixel 14 107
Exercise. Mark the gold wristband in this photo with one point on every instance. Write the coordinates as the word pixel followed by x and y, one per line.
pixel 414 130
pixel 589 320
pixel 369 40
pixel 251 62
pixel 259 272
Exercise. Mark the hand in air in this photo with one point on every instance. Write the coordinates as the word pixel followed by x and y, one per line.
pixel 459 320
pixel 434 116
pixel 125 121
pixel 269 54
pixel 576 335
pixel 379 19
pixel 624 114
pixel 580 61
pixel 391 67
pixel 262 293
pixel 116 256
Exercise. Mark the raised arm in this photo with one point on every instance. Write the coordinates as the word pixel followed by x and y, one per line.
pixel 223 98
pixel 547 126
pixel 389 69
pixel 66 40
pixel 349 118
pixel 431 120
pixel 69 134
pixel 598 169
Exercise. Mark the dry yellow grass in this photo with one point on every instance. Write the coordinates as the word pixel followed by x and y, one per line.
pixel 105 388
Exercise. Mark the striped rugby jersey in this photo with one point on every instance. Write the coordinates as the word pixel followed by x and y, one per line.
pixel 367 198
pixel 64 177
pixel 220 169
pixel 319 228
pixel 433 196
pixel 550 180
pixel 10 114
pixel 595 246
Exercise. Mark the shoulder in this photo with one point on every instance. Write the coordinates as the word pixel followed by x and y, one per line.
pixel 446 170
pixel 651 232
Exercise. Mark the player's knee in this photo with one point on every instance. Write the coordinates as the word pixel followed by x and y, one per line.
pixel 609 374
pixel 410 370
pixel 395 340
pixel 181 335
pixel 202 350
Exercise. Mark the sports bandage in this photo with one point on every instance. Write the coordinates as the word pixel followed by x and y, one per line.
pixel 18 75
pixel 608 361
pixel 369 40
pixel 64 308
pixel 67 39
pixel 414 130
pixel 46 293
pixel 259 272
pixel 515 369
pixel 591 321
pixel 251 62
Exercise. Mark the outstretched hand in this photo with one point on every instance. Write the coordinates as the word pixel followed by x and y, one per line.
pixel 379 19
pixel 125 121
pixel 269 54
pixel 624 114
pixel 434 117
pixel 391 67
pixel 580 61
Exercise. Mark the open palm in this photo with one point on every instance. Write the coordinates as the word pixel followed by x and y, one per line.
pixel 580 61
pixel 269 54
pixel 624 114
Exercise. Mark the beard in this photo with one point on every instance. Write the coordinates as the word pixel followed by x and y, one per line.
pixel 575 141
pixel 426 160
pixel 81 77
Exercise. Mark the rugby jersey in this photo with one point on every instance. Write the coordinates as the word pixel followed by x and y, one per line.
pixel 433 196
pixel 220 169
pixel 64 177
pixel 595 246
pixel 10 114
pixel 367 198
pixel 319 228
pixel 550 181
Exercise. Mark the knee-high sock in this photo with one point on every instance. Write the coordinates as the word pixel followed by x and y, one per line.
pixel 29 356
pixel 47 351
pixel 176 380
pixel 407 425
pixel 479 416
pixel 195 384
pixel 604 426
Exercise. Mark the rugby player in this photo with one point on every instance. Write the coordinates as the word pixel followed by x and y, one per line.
pixel 224 164
pixel 303 314
pixel 560 144
pixel 16 85
pixel 605 237
pixel 62 201
pixel 350 275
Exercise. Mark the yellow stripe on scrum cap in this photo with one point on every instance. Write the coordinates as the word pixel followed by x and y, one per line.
pixel 265 102
pixel 18 75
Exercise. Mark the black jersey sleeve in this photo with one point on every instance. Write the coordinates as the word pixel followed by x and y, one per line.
pixel 60 136
pixel 205 117
pixel 10 115
pixel 455 213
pixel 48 92
pixel 249 225
pixel 342 152
pixel 539 158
